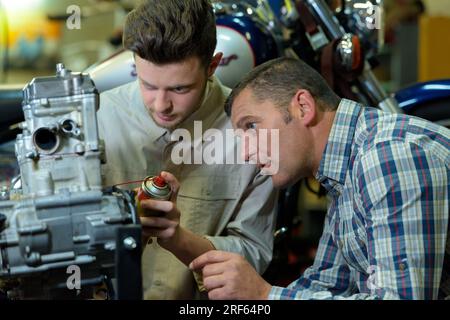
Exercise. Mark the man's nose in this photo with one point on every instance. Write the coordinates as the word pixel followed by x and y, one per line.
pixel 248 149
pixel 162 102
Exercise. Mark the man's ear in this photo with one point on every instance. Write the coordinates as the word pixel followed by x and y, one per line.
pixel 214 63
pixel 303 107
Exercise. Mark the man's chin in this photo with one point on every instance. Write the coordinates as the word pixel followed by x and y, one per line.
pixel 165 124
pixel 281 181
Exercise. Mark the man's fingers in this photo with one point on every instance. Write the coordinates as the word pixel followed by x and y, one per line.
pixel 213 282
pixel 213 269
pixel 158 205
pixel 213 256
pixel 156 222
pixel 218 294
pixel 149 232
pixel 173 182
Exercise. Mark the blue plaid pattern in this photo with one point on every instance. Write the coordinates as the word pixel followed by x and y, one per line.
pixel 386 229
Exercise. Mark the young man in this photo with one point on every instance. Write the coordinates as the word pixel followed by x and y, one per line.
pixel 388 179
pixel 217 206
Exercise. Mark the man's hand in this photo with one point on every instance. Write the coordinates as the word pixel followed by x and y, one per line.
pixel 166 227
pixel 228 275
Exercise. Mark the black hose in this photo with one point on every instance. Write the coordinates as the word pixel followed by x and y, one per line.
pixel 8 134
pixel 11 97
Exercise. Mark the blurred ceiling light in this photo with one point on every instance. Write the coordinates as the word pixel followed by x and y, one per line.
pixel 17 5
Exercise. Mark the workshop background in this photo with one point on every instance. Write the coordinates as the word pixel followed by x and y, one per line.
pixel 35 35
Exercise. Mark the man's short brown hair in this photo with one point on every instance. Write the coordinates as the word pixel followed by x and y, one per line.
pixel 279 79
pixel 167 31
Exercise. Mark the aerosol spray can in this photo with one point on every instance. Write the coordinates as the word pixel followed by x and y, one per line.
pixel 152 188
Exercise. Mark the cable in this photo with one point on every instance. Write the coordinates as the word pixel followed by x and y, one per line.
pixel 128 182
pixel 128 200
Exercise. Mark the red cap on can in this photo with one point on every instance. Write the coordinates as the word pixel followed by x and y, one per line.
pixel 159 181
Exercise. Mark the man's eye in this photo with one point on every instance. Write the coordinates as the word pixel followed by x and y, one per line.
pixel 250 125
pixel 180 90
pixel 148 87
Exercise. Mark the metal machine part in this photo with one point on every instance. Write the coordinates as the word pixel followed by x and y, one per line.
pixel 346 52
pixel 59 219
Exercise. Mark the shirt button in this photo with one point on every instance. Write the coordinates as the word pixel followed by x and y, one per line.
pixel 402 266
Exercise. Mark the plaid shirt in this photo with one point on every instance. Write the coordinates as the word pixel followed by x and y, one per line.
pixel 385 233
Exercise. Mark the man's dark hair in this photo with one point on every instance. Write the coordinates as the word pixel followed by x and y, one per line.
pixel 278 80
pixel 167 31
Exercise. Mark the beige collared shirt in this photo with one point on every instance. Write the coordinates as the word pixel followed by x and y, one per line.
pixel 232 205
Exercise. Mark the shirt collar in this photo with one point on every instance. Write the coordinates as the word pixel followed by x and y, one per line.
pixel 335 159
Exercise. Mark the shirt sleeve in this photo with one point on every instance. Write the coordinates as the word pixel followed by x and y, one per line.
pixel 250 233
pixel 328 278
pixel 404 191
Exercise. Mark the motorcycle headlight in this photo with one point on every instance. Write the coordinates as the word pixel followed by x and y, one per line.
pixel 364 18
